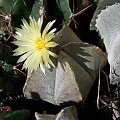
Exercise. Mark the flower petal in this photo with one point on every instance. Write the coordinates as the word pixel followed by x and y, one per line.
pixel 34 28
pixel 52 54
pixel 48 37
pixel 18 33
pixel 26 38
pixel 33 62
pixel 25 23
pixel 25 56
pixel 51 44
pixel 23 43
pixel 45 58
pixel 48 26
pixel 22 50
pixel 51 63
pixel 53 30
pixel 40 22
pixel 42 68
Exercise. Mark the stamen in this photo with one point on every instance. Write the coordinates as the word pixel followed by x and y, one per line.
pixel 39 44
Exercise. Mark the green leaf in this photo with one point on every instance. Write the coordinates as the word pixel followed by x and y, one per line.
pixel 52 12
pixel 36 9
pixel 96 1
pixel 15 115
pixel 7 67
pixel 58 10
pixel 65 9
pixel 7 5
pixel 7 85
pixel 22 9
pixel 6 54
pixel 81 4
pixel 4 113
pixel 11 80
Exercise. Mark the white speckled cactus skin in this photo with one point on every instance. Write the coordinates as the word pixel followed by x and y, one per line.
pixel 108 25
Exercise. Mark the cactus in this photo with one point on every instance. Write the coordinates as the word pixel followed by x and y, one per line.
pixel 77 67
pixel 67 66
pixel 68 113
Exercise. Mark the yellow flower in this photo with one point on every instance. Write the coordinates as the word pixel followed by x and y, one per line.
pixel 34 45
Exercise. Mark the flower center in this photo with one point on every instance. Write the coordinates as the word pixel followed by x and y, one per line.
pixel 39 44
